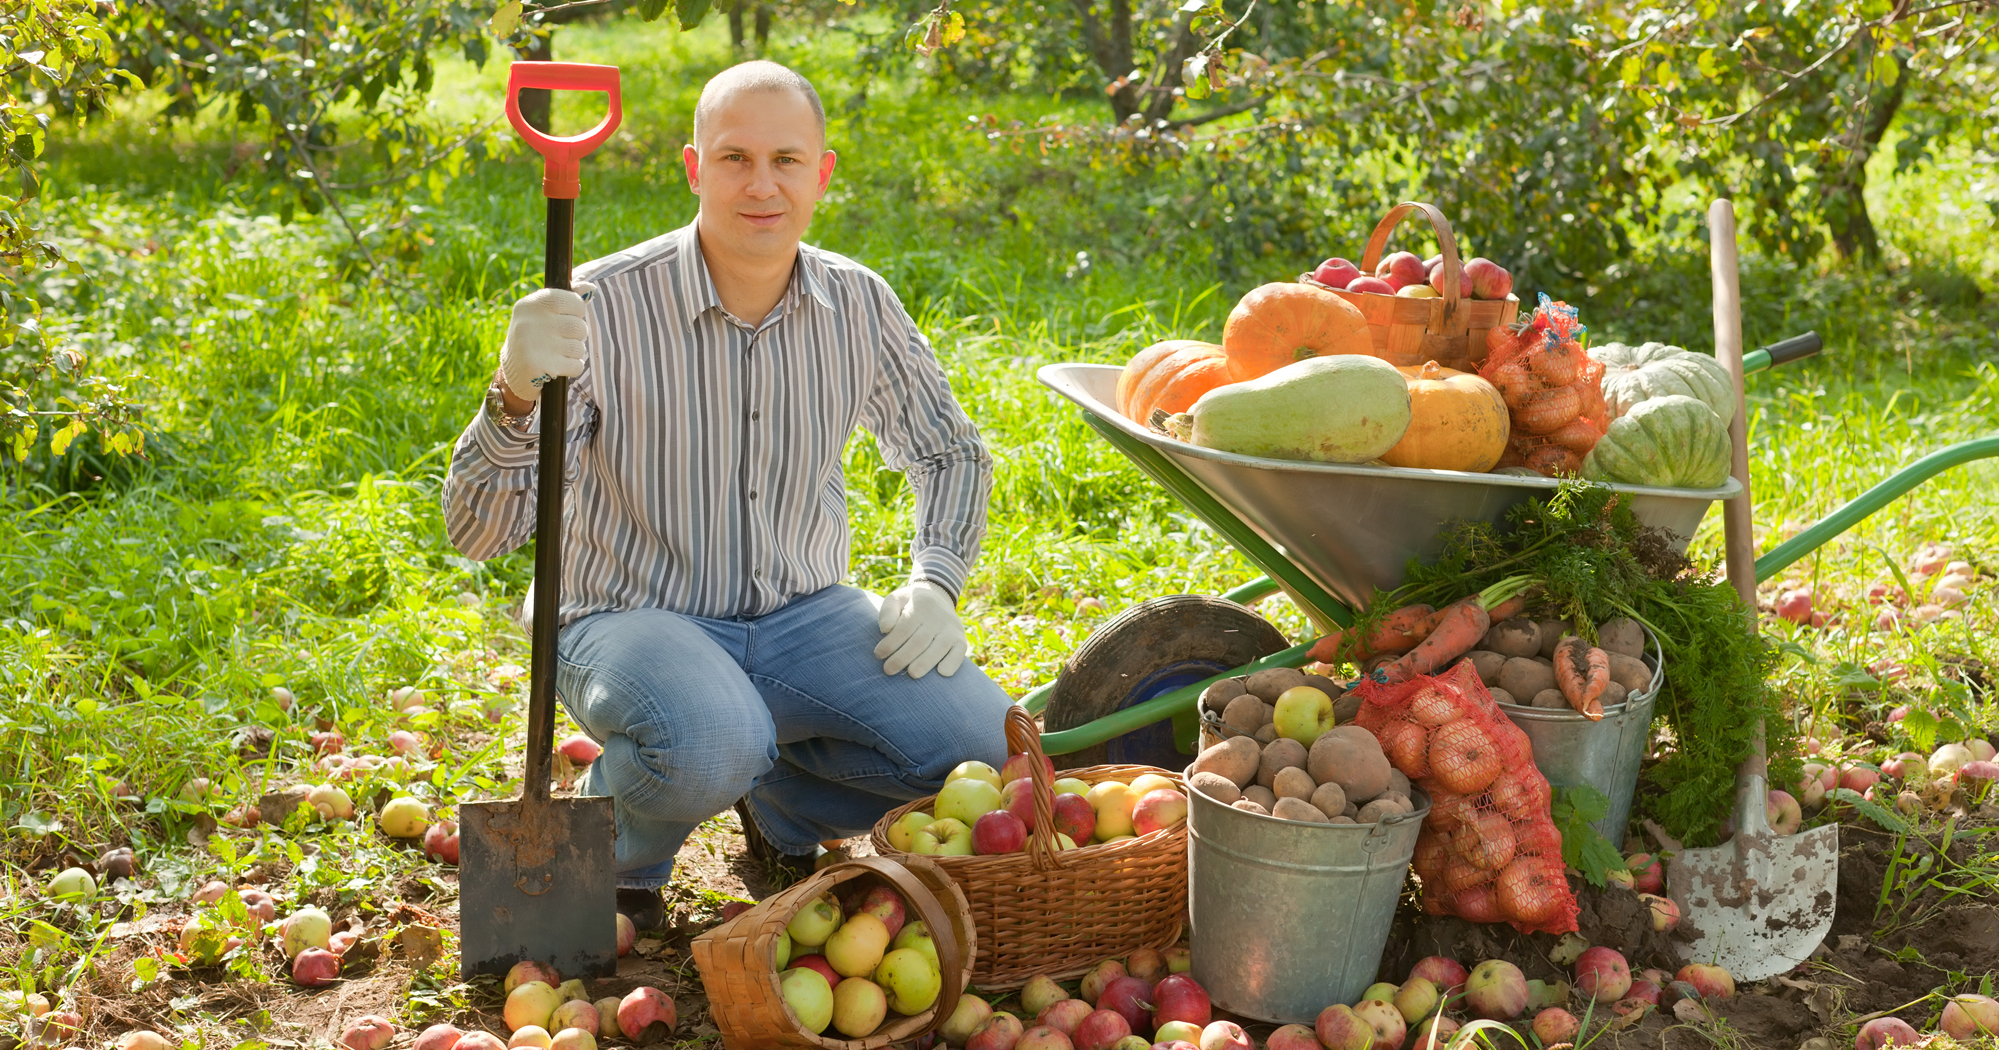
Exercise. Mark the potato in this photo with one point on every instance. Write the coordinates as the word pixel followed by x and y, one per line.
pixel 1235 758
pixel 1525 677
pixel 1248 806
pixel 1516 637
pixel 1266 734
pixel 1401 800
pixel 1630 672
pixel 1271 682
pixel 1350 810
pixel 1621 635
pixel 1487 663
pixel 1341 819
pixel 1379 808
pixel 1281 753
pixel 1325 685
pixel 1551 698
pixel 1216 697
pixel 1614 694
pixel 1346 708
pixel 1297 809
pixel 1293 782
pixel 1350 757
pixel 1244 714
pixel 1330 799
pixel 1216 786
pixel 1260 795
pixel 1398 782
pixel 1501 696
pixel 1551 633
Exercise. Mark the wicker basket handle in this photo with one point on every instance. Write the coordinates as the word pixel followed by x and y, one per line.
pixel 951 959
pixel 1022 735
pixel 1447 243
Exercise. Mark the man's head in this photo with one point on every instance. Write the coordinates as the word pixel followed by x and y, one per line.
pixel 759 160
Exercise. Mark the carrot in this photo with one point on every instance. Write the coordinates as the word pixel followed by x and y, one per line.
pixel 1582 671
pixel 1403 629
pixel 1508 609
pixel 1458 628
pixel 1327 649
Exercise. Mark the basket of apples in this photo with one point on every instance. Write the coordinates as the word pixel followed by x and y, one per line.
pixel 1417 310
pixel 860 955
pixel 1059 872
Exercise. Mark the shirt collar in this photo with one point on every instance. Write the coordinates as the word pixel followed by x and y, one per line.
pixel 697 287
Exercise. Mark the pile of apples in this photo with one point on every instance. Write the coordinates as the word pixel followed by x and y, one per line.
pixel 1943 584
pixel 983 811
pixel 1407 275
pixel 1969 1019
pixel 1146 1001
pixel 847 967
pixel 543 1010
pixel 1970 766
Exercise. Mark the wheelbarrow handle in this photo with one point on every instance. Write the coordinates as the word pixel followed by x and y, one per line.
pixel 1792 349
pixel 562 155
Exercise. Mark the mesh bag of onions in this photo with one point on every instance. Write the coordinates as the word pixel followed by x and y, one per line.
pixel 1489 851
pixel 1553 390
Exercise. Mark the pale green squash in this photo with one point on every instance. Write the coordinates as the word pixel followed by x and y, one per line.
pixel 1639 373
pixel 1671 441
pixel 1346 408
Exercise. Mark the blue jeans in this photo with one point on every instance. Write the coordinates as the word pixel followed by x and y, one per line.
pixel 790 709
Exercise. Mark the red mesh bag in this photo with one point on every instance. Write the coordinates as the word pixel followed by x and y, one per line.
pixel 1489 851
pixel 1553 390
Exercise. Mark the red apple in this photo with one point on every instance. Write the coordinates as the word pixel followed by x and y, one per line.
pixel 1001 1031
pixel 1603 975
pixel 1784 813
pixel 1712 982
pixel 1159 810
pixel 440 841
pixel 1390 1027
pixel 1335 272
pixel 1644 990
pixel 1178 997
pixel 1420 1036
pixel 1075 817
pixel 998 832
pixel 1016 768
pixel 1496 989
pixel 1969 1016
pixel 1400 268
pixel 1883 1032
pixel 580 749
pixel 1647 874
pixel 1132 999
pixel 1899 767
pixel 1485 279
pixel 818 962
pixel 1371 284
pixel 628 935
pixel 647 1015
pixel 1225 1035
pixel 1099 978
pixel 1147 965
pixel 1101 1030
pixel 438 1037
pixel 1447 974
pixel 1017 798
pixel 1665 913
pixel 1556 1025
pixel 326 743
pixel 1858 778
pixel 371 1032
pixel 1042 1037
pixel 1795 606
pixel 1339 1028
pixel 885 904
pixel 1658 977
pixel 262 906
pixel 1292 1037
pixel 480 1041
pixel 315 968
pixel 1064 1016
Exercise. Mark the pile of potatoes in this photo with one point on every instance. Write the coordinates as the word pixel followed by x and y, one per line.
pixel 1513 660
pixel 1248 704
pixel 1342 777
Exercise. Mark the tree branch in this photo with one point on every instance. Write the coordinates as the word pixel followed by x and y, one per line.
pixel 1225 111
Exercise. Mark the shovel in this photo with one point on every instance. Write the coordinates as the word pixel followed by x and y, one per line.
pixel 537 878
pixel 1760 903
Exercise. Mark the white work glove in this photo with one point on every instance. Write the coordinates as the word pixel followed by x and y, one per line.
pixel 921 629
pixel 545 339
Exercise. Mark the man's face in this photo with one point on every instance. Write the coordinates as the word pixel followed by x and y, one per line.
pixel 760 167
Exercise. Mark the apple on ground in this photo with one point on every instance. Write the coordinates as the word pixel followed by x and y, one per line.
pixel 1335 272
pixel 477 1040
pixel 1556 1025
pixel 1178 997
pixel 1132 999
pixel 858 1007
pixel 308 927
pixel 1225 1035
pixel 1784 813
pixel 1386 1021
pixel 572 1039
pixel 1039 993
pixel 1712 982
pixel 1445 1028
pixel 371 1032
pixel 1884 1032
pixel 1292 1037
pixel 905 827
pixel 1064 1015
pixel 440 841
pixel 1158 811
pixel 1496 989
pixel 805 991
pixel 331 803
pixel 404 818
pixel 530 1003
pixel 576 1013
pixel 1101 1030
pixel 628 934
pixel 1970 1016
pixel 1381 990
pixel 142 1040
pixel 1417 999
pixel 579 749
pixel 1603 975
pixel 1665 913
pixel 1620 877
pixel 607 1017
pixel 999 1031
pixel 1648 875
pixel 998 832
pixel 315 967
pixel 1146 964
pixel 646 1015
pixel 966 1017
pixel 1179 959
pixel 533 1036
pixel 1075 817
pixel 1644 990
pixel 1042 1037
pixel 1017 768
pixel 1541 994
pixel 1446 974
pixel 438 1037
pixel 1184 1031
pixel 1099 978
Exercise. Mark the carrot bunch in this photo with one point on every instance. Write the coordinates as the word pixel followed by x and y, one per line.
pixel 1419 639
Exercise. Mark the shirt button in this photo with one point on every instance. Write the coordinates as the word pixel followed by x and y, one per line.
pixel 753 494
pixel 759 573
pixel 754 416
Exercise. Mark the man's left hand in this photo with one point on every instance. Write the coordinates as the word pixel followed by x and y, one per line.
pixel 921 631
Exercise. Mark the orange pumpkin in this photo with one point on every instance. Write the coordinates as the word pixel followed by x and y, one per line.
pixel 1457 421
pixel 1279 324
pixel 1169 376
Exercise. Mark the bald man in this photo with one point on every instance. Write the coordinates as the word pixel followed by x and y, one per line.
pixel 707 641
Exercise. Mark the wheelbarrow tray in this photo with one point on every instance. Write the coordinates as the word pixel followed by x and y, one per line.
pixel 1353 527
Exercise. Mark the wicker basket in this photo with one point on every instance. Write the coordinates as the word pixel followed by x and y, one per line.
pixel 1044 911
pixel 736 957
pixel 1449 330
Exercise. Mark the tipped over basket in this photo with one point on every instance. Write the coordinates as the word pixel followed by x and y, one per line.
pixel 738 958
pixel 1059 912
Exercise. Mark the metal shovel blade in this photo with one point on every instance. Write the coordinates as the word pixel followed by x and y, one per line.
pixel 537 880
pixel 1760 903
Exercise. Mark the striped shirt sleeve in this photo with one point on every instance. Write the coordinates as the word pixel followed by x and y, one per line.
pixel 489 490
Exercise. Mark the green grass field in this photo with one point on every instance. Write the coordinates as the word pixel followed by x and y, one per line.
pixel 284 527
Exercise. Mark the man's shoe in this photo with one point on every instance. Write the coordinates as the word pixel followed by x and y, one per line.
pixel 786 868
pixel 646 908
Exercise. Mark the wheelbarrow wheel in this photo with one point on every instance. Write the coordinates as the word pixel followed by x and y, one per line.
pixel 1149 649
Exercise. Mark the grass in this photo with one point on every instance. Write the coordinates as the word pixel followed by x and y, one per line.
pixel 284 529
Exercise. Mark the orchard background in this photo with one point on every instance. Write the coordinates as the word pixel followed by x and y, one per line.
pixel 256 258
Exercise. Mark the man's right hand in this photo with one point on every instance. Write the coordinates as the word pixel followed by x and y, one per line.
pixel 545 339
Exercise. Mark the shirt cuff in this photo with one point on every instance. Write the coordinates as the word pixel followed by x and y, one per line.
pixel 943 568
pixel 508 446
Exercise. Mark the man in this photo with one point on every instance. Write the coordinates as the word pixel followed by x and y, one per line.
pixel 706 640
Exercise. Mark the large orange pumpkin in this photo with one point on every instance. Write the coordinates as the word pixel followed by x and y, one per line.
pixel 1457 421
pixel 1284 323
pixel 1170 376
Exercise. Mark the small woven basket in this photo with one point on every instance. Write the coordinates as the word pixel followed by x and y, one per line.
pixel 737 958
pixel 1060 912
pixel 1449 330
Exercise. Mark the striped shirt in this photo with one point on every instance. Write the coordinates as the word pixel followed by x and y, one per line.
pixel 704 456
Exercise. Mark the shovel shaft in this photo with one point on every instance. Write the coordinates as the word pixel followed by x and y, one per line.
pixel 556 261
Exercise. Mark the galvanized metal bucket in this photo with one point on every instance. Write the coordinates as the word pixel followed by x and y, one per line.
pixel 1570 749
pixel 1289 917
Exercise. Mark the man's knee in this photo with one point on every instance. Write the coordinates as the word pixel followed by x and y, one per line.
pixel 690 770
pixel 962 720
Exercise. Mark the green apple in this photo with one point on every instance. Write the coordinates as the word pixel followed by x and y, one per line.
pixel 1146 783
pixel 942 838
pixel 911 980
pixel 783 949
pixel 1113 802
pixel 1381 990
pixel 916 936
pixel 976 771
pixel 1072 786
pixel 856 948
pixel 805 990
pixel 901 833
pixel 967 799
pixel 72 884
pixel 1303 712
pixel 815 922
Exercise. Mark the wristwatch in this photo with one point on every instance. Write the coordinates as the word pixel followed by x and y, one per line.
pixel 496 409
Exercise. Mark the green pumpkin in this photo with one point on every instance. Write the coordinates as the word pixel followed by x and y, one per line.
pixel 1673 442
pixel 1633 374
pixel 1346 408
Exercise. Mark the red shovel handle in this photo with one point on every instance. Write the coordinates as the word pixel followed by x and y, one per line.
pixel 562 155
